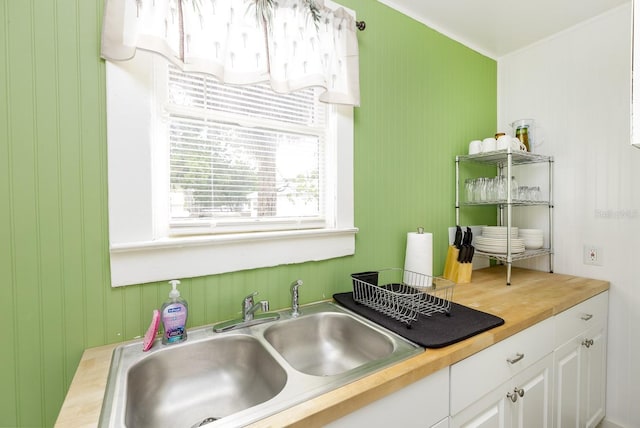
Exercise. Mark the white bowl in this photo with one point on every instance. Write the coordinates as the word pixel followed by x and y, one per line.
pixel 533 244
pixel 530 232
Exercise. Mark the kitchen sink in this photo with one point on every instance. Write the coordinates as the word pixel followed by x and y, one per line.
pixel 221 377
pixel 237 377
pixel 328 343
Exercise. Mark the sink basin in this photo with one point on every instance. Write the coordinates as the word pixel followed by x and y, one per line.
pixel 328 343
pixel 220 377
pixel 235 378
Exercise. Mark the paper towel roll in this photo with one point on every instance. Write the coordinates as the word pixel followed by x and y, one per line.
pixel 419 255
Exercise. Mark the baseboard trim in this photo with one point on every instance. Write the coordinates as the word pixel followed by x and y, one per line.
pixel 608 424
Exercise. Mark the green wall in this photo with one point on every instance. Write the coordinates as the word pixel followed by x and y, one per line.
pixel 424 97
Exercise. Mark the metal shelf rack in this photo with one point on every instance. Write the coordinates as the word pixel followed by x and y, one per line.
pixel 504 161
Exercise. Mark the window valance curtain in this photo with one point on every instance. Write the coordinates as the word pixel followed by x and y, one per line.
pixel 228 39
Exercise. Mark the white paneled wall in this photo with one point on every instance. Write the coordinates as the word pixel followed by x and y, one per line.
pixel 576 85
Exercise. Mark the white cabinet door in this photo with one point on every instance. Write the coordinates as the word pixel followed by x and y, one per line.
pixel 493 410
pixel 534 387
pixel 524 401
pixel 580 364
pixel 594 375
pixel 568 372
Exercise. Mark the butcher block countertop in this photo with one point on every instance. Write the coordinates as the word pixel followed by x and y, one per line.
pixel 532 297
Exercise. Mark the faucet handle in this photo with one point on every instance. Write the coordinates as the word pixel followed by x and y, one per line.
pixel 249 298
pixel 295 284
pixel 247 302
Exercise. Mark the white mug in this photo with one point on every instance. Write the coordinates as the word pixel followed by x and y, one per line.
pixel 516 145
pixel 475 147
pixel 489 144
pixel 504 141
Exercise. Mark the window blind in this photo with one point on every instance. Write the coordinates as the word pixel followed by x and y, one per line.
pixel 244 158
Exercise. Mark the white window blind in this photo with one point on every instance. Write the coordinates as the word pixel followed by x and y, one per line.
pixel 244 158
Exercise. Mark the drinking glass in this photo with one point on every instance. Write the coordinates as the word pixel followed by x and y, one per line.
pixel 481 190
pixel 469 186
pixel 514 189
pixel 535 193
pixel 491 189
pixel 501 189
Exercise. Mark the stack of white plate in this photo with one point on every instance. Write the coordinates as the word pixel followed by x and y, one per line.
pixel 498 245
pixel 498 232
pixel 533 238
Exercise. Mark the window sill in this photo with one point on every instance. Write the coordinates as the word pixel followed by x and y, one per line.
pixel 149 261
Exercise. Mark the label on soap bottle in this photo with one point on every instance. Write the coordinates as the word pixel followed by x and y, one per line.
pixel 174 319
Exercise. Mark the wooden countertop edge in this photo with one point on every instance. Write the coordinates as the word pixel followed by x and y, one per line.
pixel 83 403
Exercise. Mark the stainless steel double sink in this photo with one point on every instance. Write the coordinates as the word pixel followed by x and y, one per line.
pixel 238 377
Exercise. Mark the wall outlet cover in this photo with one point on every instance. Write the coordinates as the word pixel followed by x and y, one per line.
pixel 592 255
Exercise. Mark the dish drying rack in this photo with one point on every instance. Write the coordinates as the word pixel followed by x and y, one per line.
pixel 402 294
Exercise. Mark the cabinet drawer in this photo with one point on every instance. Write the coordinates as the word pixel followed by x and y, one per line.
pixel 474 376
pixel 421 404
pixel 581 317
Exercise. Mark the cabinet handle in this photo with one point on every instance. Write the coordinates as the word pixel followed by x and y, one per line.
pixel 513 396
pixel 586 317
pixel 587 343
pixel 515 359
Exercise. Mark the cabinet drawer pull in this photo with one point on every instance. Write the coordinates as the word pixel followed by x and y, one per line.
pixel 586 317
pixel 515 359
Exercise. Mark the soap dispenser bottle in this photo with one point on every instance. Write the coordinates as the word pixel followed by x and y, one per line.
pixel 174 316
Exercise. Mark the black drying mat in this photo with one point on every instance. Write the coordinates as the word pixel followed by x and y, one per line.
pixel 435 331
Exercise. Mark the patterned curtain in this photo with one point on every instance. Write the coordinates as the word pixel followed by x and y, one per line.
pixel 230 40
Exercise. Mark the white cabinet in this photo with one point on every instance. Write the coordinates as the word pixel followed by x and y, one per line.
pixel 580 364
pixel 473 377
pixel 508 384
pixel 422 404
pixel 552 374
pixel 523 401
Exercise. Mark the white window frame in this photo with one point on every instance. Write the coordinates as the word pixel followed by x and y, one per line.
pixel 141 249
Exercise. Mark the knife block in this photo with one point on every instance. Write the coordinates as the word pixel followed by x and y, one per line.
pixel 463 274
pixel 460 273
pixel 451 262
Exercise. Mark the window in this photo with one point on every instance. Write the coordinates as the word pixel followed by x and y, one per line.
pixel 206 178
pixel 243 158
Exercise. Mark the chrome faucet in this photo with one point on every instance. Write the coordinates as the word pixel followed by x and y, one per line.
pixel 249 308
pixel 294 298
pixel 249 317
